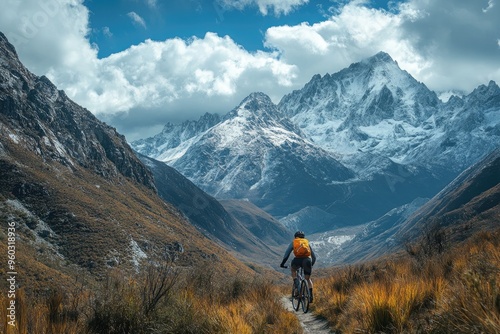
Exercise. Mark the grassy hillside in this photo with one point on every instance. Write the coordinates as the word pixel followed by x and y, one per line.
pixel 89 220
pixel 456 291
pixel 447 279
pixel 100 255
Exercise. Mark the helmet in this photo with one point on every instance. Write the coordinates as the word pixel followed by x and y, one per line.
pixel 299 234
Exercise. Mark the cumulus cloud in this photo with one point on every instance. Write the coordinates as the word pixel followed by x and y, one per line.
pixel 154 74
pixel 278 6
pixel 354 33
pixel 49 35
pixel 458 39
pixel 448 45
pixel 136 19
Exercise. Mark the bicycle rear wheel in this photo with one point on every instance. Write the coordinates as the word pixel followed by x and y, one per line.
pixel 304 294
pixel 295 298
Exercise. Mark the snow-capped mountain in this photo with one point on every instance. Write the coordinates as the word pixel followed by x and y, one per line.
pixel 375 108
pixel 254 153
pixel 464 130
pixel 174 135
pixel 343 150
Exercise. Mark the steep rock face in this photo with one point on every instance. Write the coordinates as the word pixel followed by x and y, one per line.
pixel 46 121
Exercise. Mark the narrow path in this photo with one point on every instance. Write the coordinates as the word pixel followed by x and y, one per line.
pixel 310 323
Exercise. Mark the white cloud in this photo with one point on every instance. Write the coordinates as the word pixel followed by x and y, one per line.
pixel 49 35
pixel 491 3
pixel 107 32
pixel 154 74
pixel 448 45
pixel 354 33
pixel 136 19
pixel 278 6
pixel 457 39
pixel 152 3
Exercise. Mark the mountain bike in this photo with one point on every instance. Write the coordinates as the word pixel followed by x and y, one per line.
pixel 300 294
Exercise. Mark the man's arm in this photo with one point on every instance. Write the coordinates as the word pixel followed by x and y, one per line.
pixel 313 256
pixel 287 254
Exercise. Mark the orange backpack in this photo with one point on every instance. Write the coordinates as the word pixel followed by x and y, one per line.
pixel 301 247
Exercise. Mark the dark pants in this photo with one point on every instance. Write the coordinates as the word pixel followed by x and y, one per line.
pixel 304 262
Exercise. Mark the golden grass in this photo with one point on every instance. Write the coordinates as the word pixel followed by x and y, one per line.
pixel 195 302
pixel 454 292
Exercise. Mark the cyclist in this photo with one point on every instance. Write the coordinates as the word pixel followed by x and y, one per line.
pixel 304 257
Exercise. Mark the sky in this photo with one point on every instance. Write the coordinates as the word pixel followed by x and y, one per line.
pixel 138 64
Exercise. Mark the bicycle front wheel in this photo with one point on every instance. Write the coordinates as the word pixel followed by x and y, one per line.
pixel 304 294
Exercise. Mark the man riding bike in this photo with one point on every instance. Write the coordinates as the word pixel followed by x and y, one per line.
pixel 304 257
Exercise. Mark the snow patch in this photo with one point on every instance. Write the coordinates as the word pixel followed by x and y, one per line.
pixel 137 253
pixel 40 229
pixel 14 138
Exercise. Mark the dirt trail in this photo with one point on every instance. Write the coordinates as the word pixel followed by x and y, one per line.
pixel 310 323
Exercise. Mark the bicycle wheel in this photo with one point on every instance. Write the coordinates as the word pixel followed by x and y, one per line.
pixel 295 298
pixel 304 294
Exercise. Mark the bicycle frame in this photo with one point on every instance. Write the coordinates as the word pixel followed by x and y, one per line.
pixel 301 297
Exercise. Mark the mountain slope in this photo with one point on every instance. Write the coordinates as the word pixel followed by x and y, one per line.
pixel 208 215
pixel 261 224
pixel 469 204
pixel 80 198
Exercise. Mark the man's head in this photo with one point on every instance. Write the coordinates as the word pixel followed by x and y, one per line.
pixel 299 234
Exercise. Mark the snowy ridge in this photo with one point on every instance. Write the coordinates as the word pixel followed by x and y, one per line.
pixel 239 156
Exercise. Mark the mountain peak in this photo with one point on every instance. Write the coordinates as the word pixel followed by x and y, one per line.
pixel 486 91
pixel 257 103
pixel 257 96
pixel 381 57
pixel 485 96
